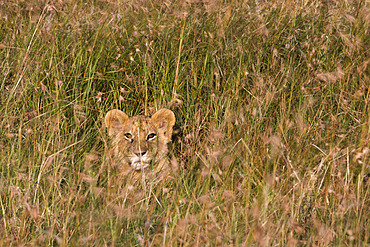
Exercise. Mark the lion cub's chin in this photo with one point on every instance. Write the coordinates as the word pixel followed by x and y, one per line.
pixel 139 165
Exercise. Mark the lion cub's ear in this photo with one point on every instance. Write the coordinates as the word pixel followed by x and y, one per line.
pixel 114 121
pixel 164 120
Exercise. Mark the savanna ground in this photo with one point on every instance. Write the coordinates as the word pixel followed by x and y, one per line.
pixel 272 107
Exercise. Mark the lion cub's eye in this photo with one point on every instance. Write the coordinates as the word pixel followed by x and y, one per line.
pixel 150 137
pixel 128 137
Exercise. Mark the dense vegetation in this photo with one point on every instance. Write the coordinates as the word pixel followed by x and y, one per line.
pixel 272 135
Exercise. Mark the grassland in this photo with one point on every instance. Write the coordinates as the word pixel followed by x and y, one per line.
pixel 272 134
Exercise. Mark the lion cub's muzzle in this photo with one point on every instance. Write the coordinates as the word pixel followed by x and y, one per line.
pixel 139 159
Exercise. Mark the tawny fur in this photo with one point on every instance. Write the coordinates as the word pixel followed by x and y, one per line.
pixel 139 144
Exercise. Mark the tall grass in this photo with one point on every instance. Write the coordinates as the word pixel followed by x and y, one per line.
pixel 272 134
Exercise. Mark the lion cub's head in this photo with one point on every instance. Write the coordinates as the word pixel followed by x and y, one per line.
pixel 139 141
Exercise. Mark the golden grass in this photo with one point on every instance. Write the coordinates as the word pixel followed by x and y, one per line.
pixel 272 106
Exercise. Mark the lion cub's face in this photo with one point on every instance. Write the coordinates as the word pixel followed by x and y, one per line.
pixel 139 141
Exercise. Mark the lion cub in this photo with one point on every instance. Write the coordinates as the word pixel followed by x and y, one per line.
pixel 139 142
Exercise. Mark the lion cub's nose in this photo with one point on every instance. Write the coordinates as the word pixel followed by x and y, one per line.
pixel 140 154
